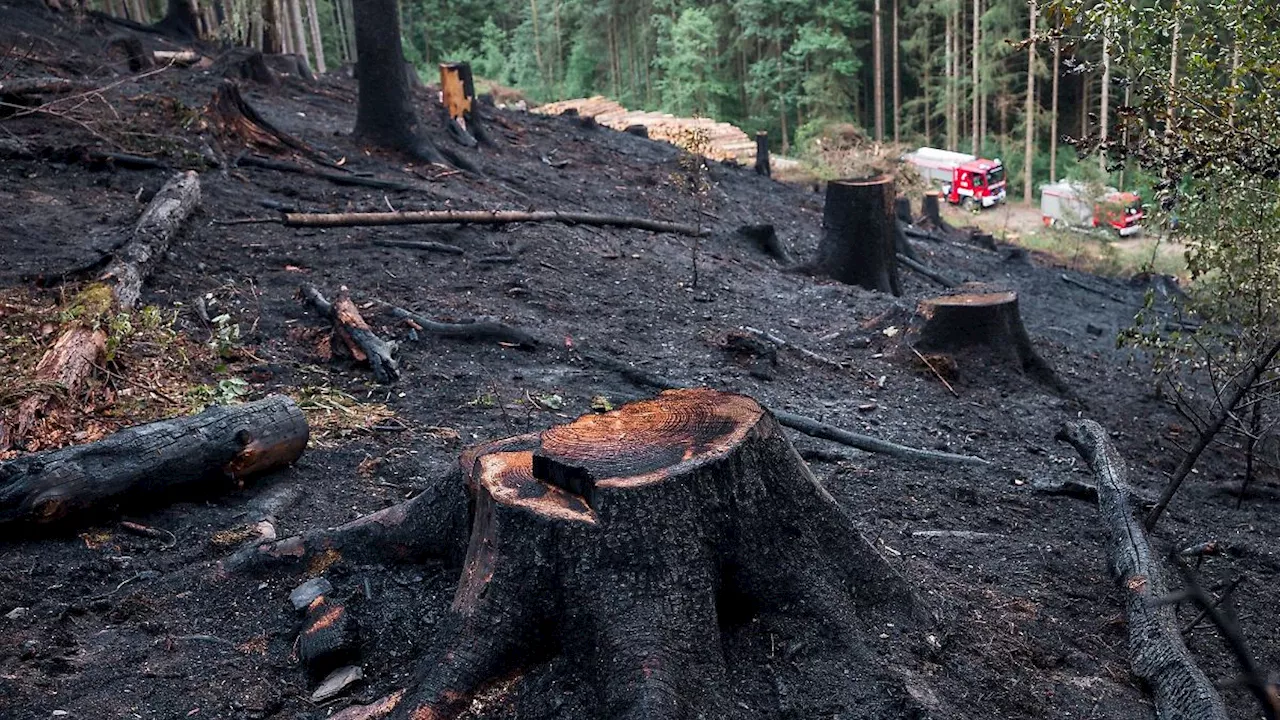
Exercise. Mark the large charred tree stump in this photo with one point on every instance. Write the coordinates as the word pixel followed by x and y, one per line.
pixel 628 540
pixel 984 320
pixel 458 96
pixel 859 241
pixel 135 467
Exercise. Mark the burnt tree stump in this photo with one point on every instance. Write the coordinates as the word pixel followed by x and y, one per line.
pixel 931 211
pixel 987 320
pixel 762 154
pixel 628 540
pixel 135 467
pixel 859 238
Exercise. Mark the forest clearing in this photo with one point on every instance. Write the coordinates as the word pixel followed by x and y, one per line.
pixel 326 392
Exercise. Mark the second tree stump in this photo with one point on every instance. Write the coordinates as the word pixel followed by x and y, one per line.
pixel 858 245
pixel 988 320
pixel 630 540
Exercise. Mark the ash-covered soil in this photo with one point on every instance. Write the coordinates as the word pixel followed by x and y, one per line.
pixel 100 623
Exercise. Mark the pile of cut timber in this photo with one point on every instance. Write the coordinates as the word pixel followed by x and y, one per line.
pixel 726 142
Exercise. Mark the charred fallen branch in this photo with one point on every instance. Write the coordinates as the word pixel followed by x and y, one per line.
pixel 478 329
pixel 485 217
pixel 428 245
pixel 806 425
pixel 615 539
pixel 182 458
pixel 65 367
pixel 925 271
pixel 337 178
pixel 1157 653
pixel 355 333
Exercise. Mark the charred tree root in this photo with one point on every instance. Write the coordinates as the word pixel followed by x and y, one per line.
pixel 235 116
pixel 627 538
pixel 82 345
pixel 480 329
pixel 337 178
pixel 858 245
pixel 766 238
pixel 484 217
pixel 356 334
pixel 988 320
pixel 198 454
pixel 1156 650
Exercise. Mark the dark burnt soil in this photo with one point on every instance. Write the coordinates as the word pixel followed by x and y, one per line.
pixel 98 623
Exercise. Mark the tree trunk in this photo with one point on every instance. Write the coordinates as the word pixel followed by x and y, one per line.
pixel 385 114
pixel 313 17
pixel 931 210
pixel 1084 105
pixel 858 239
pixel 136 467
pixel 762 153
pixel 628 540
pixel 928 85
pixel 1156 650
pixel 1053 116
pixel 1105 111
pixel 458 94
pixel 272 32
pixel 950 82
pixel 877 69
pixel 897 81
pixel 181 19
pixel 986 321
pixel 977 97
pixel 299 29
pixel 1029 118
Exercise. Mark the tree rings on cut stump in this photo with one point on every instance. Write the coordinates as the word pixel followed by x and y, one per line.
pixel 630 541
pixel 986 319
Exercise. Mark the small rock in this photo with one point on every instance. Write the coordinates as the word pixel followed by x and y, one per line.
pixel 338 681
pixel 1094 329
pixel 16 613
pixel 302 595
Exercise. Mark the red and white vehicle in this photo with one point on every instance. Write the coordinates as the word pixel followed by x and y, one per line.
pixel 966 180
pixel 1068 203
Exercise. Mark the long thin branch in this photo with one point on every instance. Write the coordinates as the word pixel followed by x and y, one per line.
pixel 924 270
pixel 484 217
pixel 1234 394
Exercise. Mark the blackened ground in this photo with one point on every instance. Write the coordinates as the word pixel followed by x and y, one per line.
pixel 115 625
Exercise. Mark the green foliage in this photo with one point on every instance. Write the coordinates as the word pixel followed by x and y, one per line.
pixel 685 63
pixel 224 392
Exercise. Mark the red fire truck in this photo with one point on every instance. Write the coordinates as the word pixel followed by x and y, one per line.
pixel 1067 203
pixel 966 180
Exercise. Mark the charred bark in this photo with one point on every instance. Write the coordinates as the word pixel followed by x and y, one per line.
pixel 628 539
pixel 166 213
pixel 762 154
pixel 181 20
pixel 458 94
pixel 190 456
pixel 931 212
pixel 356 334
pixel 989 321
pixel 236 118
pixel 1156 650
pixel 858 241
pixel 245 63
pixel 137 56
pixel 385 115
pixel 766 238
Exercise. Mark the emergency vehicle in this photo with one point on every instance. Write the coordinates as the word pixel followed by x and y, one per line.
pixel 966 180
pixel 1068 204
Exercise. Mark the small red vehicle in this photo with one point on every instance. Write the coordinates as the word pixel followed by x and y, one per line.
pixel 1067 203
pixel 966 180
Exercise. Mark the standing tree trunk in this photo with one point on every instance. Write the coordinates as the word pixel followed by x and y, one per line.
pixel 1030 115
pixel 340 24
pixel 950 61
pixel 181 19
pixel 927 89
pixel 349 15
pixel 877 69
pixel 313 18
pixel 298 28
pixel 977 96
pixel 272 35
pixel 762 153
pixel 1103 114
pixel 627 541
pixel 897 81
pixel 1053 115
pixel 385 115
pixel 859 243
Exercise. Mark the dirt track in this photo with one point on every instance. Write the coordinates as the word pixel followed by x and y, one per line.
pixel 115 625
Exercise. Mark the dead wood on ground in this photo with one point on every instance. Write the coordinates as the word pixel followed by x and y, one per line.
pixel 484 217
pixel 185 458
pixel 355 333
pixel 476 329
pixel 337 178
pixel 1156 650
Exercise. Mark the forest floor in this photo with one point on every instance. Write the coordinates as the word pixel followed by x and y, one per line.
pixel 100 623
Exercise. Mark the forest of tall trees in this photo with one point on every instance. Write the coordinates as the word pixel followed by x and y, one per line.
pixel 959 74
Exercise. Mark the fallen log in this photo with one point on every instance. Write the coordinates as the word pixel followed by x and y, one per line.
pixel 337 178
pixel 484 217
pixel 1157 652
pixel 617 539
pixel 924 270
pixel 479 329
pixel 141 465
pixel 65 367
pixel 37 86
pixel 356 334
